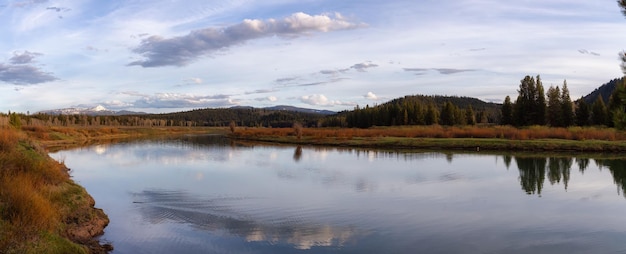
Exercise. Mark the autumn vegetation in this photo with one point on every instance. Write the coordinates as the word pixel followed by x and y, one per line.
pixel 41 209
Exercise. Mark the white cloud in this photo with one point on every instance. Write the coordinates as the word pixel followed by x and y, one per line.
pixel 181 50
pixel 371 96
pixel 321 100
pixel 177 100
pixel 196 81
pixel 268 98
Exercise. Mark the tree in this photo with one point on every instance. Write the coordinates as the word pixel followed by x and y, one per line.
pixel 523 112
pixel 582 112
pixel 617 106
pixel 470 118
pixel 448 114
pixel 555 113
pixel 566 106
pixel 507 112
pixel 432 115
pixel 599 115
pixel 540 103
pixel 530 106
pixel 297 128
pixel 232 125
pixel 15 120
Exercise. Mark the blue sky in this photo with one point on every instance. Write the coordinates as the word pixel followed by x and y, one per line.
pixel 165 56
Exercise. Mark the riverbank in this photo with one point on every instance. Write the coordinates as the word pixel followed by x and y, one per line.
pixel 58 138
pixel 496 138
pixel 41 209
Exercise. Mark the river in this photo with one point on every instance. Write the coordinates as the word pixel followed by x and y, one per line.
pixel 208 194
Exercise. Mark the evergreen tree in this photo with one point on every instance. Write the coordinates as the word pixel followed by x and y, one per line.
pixel 530 106
pixel 566 106
pixel 555 113
pixel 582 112
pixel 448 114
pixel 540 103
pixel 618 112
pixel 599 115
pixel 432 115
pixel 470 118
pixel 507 112
pixel 526 107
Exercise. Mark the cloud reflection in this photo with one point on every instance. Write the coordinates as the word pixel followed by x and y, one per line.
pixel 224 215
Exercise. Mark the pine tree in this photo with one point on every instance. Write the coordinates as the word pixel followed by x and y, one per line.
pixel 566 106
pixel 555 113
pixel 540 103
pixel 582 113
pixel 599 115
pixel 470 118
pixel 432 115
pixel 448 114
pixel 507 112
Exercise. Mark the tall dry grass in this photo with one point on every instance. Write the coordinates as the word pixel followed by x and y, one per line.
pixel 436 131
pixel 29 181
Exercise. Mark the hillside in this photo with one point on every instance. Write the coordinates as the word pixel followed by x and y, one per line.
pixel 604 90
pixel 419 110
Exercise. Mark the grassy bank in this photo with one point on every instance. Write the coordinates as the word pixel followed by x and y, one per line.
pixel 493 138
pixel 55 138
pixel 41 209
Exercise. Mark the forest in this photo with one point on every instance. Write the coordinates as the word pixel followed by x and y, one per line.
pixel 533 106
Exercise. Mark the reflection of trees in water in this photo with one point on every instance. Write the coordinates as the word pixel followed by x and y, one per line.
pixel 532 172
pixel 507 160
pixel 297 154
pixel 618 170
pixel 559 169
pixel 583 163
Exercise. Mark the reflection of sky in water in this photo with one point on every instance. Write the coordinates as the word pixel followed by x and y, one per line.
pixel 209 195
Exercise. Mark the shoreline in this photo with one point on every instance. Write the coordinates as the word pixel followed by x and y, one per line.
pixel 41 208
pixel 456 144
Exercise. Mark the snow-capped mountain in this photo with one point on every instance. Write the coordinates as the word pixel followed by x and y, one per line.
pixel 95 111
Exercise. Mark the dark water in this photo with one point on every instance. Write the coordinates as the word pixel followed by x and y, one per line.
pixel 207 194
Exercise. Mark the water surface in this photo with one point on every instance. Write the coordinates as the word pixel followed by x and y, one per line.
pixel 207 194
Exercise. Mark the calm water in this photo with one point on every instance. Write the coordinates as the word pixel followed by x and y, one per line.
pixel 207 194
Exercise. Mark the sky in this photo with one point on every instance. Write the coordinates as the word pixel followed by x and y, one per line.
pixel 168 56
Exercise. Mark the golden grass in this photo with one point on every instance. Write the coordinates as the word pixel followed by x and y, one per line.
pixel 30 215
pixel 436 131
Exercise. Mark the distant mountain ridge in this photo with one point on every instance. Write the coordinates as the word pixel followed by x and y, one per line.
pixel 303 110
pixel 95 111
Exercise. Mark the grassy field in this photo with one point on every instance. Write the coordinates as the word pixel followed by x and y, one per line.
pixel 493 138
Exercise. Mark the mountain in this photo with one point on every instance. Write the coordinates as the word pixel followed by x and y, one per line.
pixel 604 90
pixel 302 110
pixel 95 111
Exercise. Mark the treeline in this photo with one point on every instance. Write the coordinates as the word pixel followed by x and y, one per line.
pixel 557 110
pixel 249 117
pixel 418 110
pixel 244 116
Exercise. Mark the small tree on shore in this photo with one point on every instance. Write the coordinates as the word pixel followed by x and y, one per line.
pixel 297 128
pixel 232 126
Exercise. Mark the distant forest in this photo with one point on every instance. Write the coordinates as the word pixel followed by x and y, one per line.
pixel 606 106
